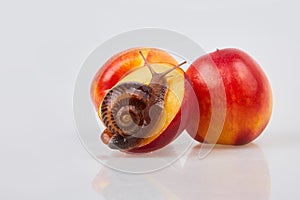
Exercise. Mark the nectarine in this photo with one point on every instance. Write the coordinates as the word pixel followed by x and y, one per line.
pixel 248 96
pixel 137 75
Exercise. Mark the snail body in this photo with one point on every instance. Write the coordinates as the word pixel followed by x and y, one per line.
pixel 125 113
pixel 131 110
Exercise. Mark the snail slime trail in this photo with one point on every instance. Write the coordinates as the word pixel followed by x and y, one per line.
pixel 131 110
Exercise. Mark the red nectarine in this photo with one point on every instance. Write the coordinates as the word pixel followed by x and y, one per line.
pixel 248 96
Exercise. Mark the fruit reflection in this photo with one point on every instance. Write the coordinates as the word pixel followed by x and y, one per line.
pixel 227 173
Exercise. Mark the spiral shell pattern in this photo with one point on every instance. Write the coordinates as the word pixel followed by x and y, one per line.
pixel 123 108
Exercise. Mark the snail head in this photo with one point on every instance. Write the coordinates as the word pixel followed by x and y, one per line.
pixel 158 78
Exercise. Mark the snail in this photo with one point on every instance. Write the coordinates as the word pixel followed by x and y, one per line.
pixel 131 110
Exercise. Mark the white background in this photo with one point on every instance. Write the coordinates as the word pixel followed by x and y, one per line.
pixel 42 47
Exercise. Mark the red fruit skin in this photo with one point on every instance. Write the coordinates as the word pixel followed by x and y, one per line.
pixel 248 96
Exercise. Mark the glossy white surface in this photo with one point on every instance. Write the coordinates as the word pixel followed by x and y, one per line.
pixel 255 171
pixel 227 173
pixel 42 47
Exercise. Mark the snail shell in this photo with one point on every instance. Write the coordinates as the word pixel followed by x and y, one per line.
pixel 131 110
pixel 123 108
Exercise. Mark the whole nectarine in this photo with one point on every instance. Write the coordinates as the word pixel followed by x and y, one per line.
pixel 248 97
